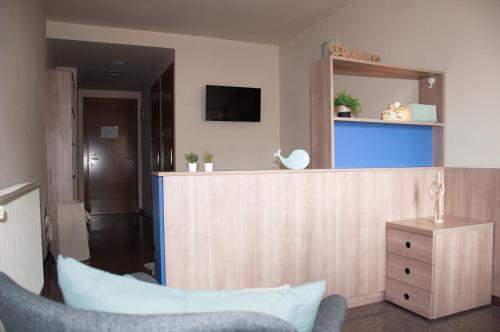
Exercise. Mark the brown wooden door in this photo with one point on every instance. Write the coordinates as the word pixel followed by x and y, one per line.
pixel 110 138
pixel 162 122
pixel 155 127
pixel 167 106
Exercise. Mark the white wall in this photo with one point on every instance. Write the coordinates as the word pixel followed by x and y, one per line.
pixel 82 93
pixel 460 37
pixel 23 94
pixel 200 61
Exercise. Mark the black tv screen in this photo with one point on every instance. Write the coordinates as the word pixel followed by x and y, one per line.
pixel 230 103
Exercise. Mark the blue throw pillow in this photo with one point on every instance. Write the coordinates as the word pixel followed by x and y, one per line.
pixel 84 287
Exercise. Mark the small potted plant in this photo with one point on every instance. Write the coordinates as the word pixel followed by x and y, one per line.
pixel 345 104
pixel 208 160
pixel 192 160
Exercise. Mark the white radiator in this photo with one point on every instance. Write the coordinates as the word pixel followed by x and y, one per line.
pixel 21 255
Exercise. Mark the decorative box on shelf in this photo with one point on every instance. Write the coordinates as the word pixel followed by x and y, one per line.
pixel 422 112
pixel 437 270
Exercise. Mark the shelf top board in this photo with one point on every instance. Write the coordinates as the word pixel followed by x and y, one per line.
pixel 412 123
pixel 351 67
pixel 425 226
pixel 291 172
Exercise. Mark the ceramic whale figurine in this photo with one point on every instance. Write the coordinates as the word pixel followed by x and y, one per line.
pixel 298 159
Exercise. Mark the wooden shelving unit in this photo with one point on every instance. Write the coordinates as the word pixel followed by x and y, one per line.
pixel 323 120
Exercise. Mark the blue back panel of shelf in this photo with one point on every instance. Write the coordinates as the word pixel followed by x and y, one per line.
pixel 158 232
pixel 380 145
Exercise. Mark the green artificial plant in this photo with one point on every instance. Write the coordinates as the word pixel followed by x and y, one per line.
pixel 342 98
pixel 191 158
pixel 208 157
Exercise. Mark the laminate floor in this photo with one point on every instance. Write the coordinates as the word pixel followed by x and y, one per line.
pixel 123 243
pixel 386 317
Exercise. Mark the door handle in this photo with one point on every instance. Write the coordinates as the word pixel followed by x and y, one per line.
pixel 94 158
pixel 171 156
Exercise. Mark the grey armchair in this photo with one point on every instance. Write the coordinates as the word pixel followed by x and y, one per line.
pixel 21 310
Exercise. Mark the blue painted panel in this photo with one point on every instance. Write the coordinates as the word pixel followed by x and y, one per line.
pixel 373 145
pixel 158 233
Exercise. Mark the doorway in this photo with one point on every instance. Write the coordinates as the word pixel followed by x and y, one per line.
pixel 120 71
pixel 110 155
pixel 113 145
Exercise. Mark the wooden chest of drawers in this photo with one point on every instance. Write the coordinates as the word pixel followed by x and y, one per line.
pixel 437 270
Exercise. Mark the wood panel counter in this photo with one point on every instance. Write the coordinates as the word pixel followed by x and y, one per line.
pixel 239 229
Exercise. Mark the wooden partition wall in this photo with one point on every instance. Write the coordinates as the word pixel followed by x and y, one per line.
pixel 263 229
pixel 475 193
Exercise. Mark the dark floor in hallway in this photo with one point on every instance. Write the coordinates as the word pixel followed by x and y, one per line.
pixel 123 243
pixel 119 244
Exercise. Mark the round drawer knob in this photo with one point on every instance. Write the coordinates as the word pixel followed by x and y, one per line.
pixel 407 296
pixel 408 244
pixel 407 270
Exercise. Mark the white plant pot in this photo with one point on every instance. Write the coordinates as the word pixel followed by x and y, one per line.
pixel 209 167
pixel 343 111
pixel 192 167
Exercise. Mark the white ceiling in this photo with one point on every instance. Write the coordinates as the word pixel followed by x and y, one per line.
pixel 141 64
pixel 265 21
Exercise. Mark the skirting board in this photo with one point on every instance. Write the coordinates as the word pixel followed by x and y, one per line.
pixel 358 301
pixel 380 296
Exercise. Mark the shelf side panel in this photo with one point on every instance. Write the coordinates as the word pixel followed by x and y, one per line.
pixel 320 98
pixel 158 229
pixel 433 96
pixel 370 145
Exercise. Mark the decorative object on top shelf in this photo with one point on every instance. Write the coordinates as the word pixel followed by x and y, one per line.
pixel 396 112
pixel 423 113
pixel 208 161
pixel 298 159
pixel 344 52
pixel 437 194
pixel 325 47
pixel 192 160
pixel 345 104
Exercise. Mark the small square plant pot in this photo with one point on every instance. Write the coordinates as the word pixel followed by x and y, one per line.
pixel 209 167
pixel 343 111
pixel 192 167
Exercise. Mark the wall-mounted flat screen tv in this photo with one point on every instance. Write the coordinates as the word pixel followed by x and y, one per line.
pixel 230 103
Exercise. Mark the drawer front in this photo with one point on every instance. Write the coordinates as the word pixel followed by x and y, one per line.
pixel 410 271
pixel 412 298
pixel 410 245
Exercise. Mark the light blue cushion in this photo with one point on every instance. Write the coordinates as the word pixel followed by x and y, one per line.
pixel 84 287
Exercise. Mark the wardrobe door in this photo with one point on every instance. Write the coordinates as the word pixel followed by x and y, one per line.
pixel 167 119
pixel 74 139
pixel 155 127
pixel 59 137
